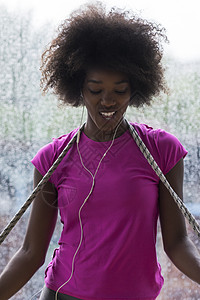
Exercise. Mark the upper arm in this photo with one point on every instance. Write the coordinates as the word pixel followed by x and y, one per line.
pixel 42 220
pixel 171 219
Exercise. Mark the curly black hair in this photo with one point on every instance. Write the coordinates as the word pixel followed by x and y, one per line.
pixel 118 40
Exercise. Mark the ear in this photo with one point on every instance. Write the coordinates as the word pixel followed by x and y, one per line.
pixel 82 98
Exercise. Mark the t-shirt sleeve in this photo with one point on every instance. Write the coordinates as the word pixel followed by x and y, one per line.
pixel 44 159
pixel 169 148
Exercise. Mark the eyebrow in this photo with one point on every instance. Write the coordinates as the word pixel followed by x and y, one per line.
pixel 97 81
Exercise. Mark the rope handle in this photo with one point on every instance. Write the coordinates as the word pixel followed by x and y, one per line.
pixel 191 219
pixel 37 189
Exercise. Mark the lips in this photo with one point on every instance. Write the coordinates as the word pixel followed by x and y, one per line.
pixel 107 115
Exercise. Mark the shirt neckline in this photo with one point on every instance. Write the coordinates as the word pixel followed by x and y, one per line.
pixel 97 143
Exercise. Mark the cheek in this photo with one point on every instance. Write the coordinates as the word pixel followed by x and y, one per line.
pixel 124 104
pixel 91 108
pixel 90 102
pixel 89 105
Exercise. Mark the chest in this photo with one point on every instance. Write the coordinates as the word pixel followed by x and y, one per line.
pixel 124 185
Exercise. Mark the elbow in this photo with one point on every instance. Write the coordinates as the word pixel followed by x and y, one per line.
pixel 169 251
pixel 172 248
pixel 169 248
pixel 42 261
pixel 38 260
pixel 34 257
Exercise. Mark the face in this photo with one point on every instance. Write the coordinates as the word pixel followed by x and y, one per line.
pixel 106 96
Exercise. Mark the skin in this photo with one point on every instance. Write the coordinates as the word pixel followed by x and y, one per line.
pixel 105 91
pixel 177 244
pixel 32 254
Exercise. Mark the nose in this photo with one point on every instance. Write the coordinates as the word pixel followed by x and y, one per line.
pixel 107 100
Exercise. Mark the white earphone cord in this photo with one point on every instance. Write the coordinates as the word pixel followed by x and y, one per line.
pixel 91 190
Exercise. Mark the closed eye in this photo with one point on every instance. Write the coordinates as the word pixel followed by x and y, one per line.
pixel 95 92
pixel 117 92
pixel 121 92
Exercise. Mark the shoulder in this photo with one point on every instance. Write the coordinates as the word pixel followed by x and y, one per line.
pixel 166 148
pixel 60 142
pixel 55 147
pixel 46 155
pixel 159 137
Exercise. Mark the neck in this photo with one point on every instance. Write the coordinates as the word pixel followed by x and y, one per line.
pixel 99 135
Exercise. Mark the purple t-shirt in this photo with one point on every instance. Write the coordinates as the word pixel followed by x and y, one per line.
pixel 117 258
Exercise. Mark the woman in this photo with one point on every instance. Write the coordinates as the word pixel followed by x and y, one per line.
pixel 108 196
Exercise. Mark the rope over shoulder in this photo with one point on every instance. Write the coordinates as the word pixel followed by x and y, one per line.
pixel 37 189
pixel 191 219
